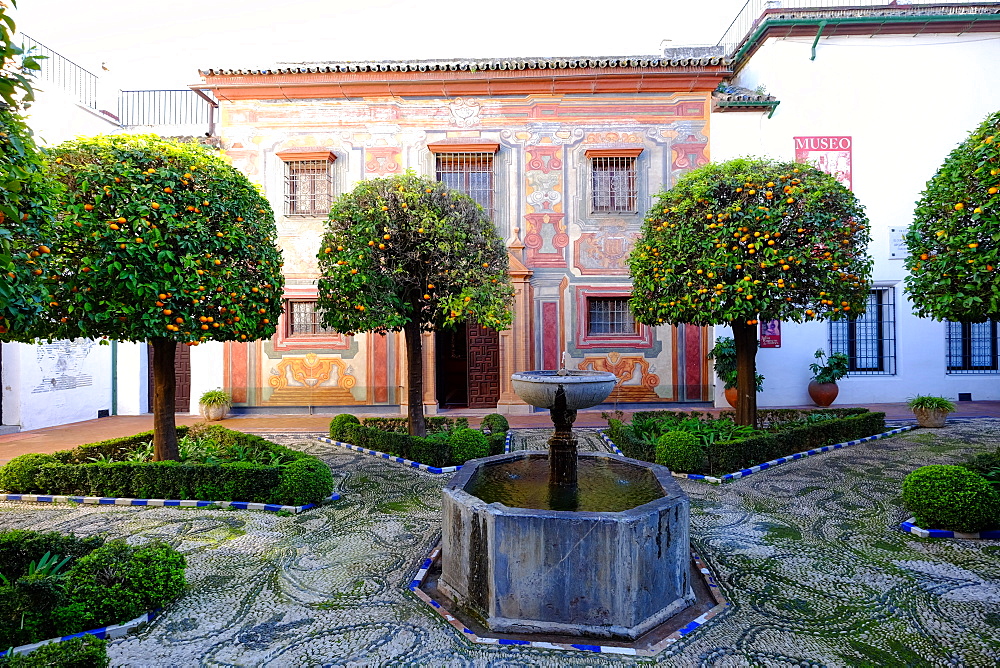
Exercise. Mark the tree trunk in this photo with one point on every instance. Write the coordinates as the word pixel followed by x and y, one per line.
pixel 415 378
pixel 164 386
pixel 745 337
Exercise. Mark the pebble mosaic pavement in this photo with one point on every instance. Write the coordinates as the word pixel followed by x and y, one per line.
pixel 807 553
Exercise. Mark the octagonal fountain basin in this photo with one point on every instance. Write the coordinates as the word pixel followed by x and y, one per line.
pixel 583 388
pixel 600 573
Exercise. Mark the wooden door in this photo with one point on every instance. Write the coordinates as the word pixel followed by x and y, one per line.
pixel 483 350
pixel 182 376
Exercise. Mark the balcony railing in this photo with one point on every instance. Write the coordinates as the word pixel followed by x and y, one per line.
pixel 752 13
pixel 62 72
pixel 174 108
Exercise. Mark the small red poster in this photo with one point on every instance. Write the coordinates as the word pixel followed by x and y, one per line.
pixel 830 154
pixel 770 334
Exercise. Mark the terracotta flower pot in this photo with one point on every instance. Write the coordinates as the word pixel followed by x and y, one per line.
pixel 214 412
pixel 731 395
pixel 823 394
pixel 929 417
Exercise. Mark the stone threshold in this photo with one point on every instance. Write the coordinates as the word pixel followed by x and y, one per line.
pixel 650 644
pixel 165 503
pixel 728 477
pixel 437 470
pixel 910 526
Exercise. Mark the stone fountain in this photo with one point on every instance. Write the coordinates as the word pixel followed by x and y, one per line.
pixel 560 543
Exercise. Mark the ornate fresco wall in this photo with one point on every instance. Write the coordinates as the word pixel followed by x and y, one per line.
pixel 562 252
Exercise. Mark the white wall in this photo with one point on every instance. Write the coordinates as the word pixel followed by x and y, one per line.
pixel 55 383
pixel 206 370
pixel 55 117
pixel 906 102
pixel 133 379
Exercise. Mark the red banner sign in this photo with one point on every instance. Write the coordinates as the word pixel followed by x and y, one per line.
pixel 770 334
pixel 830 154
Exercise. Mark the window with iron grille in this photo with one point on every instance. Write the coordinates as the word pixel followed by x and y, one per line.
pixel 870 339
pixel 609 316
pixel 470 174
pixel 303 319
pixel 972 347
pixel 613 184
pixel 308 187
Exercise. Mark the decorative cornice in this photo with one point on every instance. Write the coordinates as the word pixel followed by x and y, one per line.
pixel 294 154
pixel 622 152
pixel 463 146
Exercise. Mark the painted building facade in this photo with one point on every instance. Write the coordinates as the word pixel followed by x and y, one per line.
pixel 565 154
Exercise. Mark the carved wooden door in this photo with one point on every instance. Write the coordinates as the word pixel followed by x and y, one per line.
pixel 484 366
pixel 182 376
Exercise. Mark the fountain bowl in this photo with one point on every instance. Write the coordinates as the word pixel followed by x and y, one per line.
pixel 583 388
pixel 598 574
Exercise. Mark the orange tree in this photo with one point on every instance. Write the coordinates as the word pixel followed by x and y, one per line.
pixel 746 240
pixel 954 241
pixel 26 194
pixel 159 241
pixel 405 253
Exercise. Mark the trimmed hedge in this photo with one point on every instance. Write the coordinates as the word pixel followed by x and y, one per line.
pixel 730 456
pixel 468 444
pixel 680 451
pixel 941 496
pixel 494 422
pixel 85 652
pixel 103 583
pixel 767 418
pixel 302 479
pixel 389 435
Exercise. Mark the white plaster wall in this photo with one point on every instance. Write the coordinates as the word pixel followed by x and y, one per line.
pixel 133 379
pixel 206 370
pixel 57 383
pixel 55 117
pixel 906 102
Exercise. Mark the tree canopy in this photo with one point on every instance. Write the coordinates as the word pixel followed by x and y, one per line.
pixel 159 241
pixel 26 195
pixel 954 241
pixel 749 240
pixel 405 253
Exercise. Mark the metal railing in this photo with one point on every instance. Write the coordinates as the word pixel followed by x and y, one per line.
pixel 165 107
pixel 752 13
pixel 62 72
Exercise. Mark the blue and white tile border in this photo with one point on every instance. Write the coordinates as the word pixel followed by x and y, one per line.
pixel 105 633
pixel 467 633
pixel 909 526
pixel 166 503
pixel 774 462
pixel 402 460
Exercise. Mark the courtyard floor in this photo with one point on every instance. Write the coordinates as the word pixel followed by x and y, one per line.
pixel 808 554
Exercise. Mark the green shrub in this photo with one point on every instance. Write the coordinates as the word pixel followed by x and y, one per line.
pixel 631 446
pixel 986 464
pixel 305 481
pixel 680 451
pixel 951 497
pixel 494 423
pixel 468 444
pixel 498 441
pixel 85 652
pixel 930 402
pixel 339 425
pixel 118 582
pixel 19 474
pixel 400 425
pixel 20 547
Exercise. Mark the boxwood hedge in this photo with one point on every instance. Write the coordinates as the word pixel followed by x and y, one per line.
pixel 444 448
pixel 787 437
pixel 86 471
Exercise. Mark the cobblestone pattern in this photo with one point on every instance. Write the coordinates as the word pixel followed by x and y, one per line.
pixel 808 554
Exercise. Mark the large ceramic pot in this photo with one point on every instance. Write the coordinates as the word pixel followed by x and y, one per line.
pixel 213 412
pixel 732 394
pixel 823 394
pixel 929 417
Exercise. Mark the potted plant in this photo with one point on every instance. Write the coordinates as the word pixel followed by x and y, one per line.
pixel 214 404
pixel 823 386
pixel 724 354
pixel 930 411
